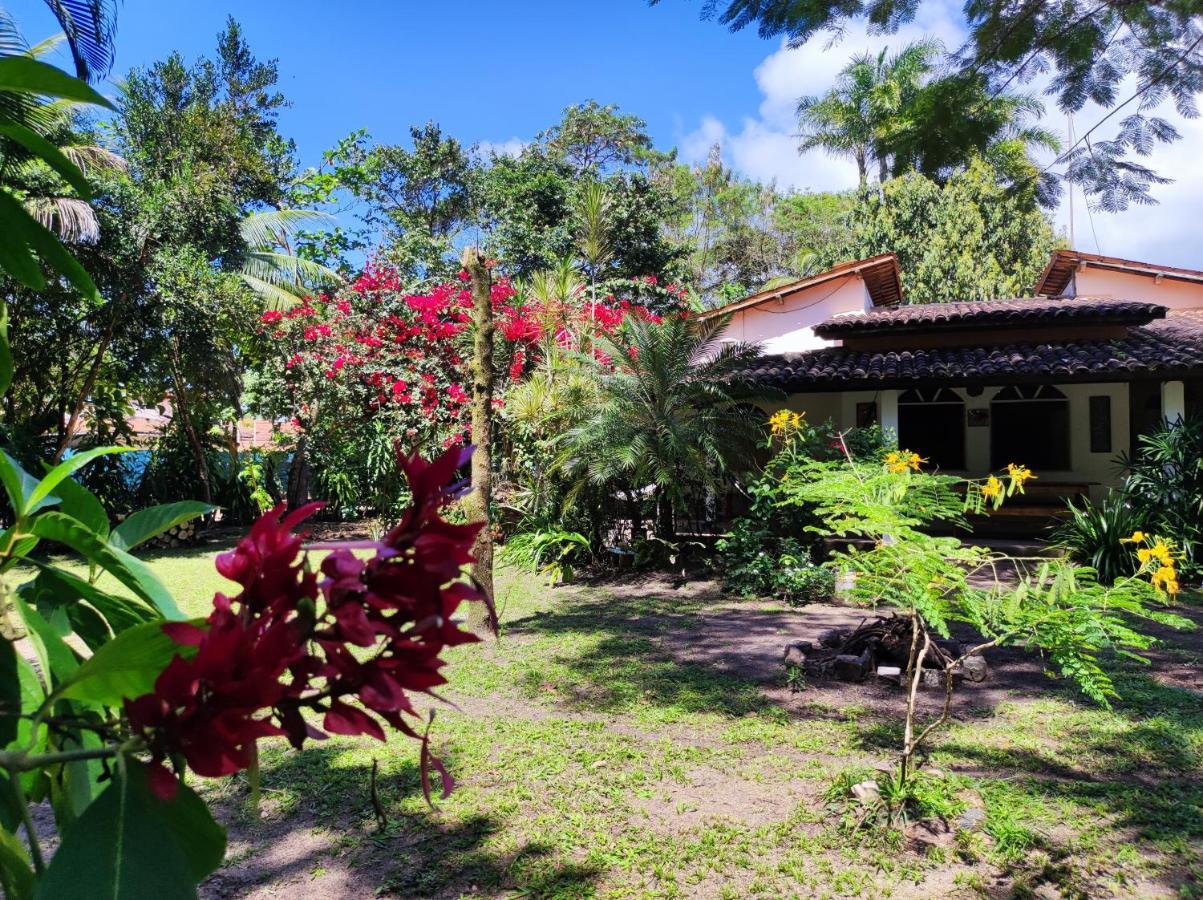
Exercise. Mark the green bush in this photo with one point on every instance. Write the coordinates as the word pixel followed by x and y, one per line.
pixel 769 551
pixel 1094 535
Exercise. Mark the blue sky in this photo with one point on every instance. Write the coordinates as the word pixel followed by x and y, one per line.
pixel 499 72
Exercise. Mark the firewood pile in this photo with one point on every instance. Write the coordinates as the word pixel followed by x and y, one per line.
pixel 880 646
pixel 183 535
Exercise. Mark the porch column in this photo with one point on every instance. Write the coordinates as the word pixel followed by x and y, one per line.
pixel 889 411
pixel 1173 401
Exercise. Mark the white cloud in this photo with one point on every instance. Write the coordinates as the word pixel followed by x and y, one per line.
pixel 764 146
pixel 488 149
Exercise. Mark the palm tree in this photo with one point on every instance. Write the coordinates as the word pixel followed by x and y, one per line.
pixel 27 118
pixel 857 116
pixel 672 414
pixel 271 267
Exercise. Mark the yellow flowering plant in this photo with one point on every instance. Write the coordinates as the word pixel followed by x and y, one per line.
pixel 883 512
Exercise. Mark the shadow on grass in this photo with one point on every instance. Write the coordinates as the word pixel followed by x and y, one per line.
pixel 321 817
pixel 626 662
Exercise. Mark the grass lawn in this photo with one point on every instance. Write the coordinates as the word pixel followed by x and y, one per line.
pixel 599 751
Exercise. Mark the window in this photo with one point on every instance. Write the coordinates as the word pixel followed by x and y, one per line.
pixel 1030 426
pixel 932 423
pixel 1100 424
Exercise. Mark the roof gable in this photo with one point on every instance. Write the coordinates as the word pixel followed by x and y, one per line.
pixel 882 276
pixel 1063 263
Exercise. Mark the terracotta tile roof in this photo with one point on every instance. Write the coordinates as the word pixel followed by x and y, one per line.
pixel 1169 348
pixel 1062 263
pixel 881 273
pixel 991 314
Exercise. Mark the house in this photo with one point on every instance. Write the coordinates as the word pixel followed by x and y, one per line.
pixel 1063 381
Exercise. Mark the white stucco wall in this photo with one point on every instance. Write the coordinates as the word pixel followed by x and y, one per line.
pixel 1091 282
pixel 1095 469
pixel 787 326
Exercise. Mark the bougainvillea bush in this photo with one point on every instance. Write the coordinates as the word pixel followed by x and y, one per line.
pixel 379 362
pixel 107 701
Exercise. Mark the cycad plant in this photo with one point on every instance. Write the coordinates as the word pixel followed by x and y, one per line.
pixel 673 417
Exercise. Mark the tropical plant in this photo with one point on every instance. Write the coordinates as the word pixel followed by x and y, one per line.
pixel 552 552
pixel 271 267
pixel 1095 534
pixel 26 83
pixel 859 115
pixel 673 414
pixel 1057 606
pixel 1164 481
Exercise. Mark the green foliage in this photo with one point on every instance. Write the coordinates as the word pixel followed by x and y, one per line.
pixel 672 414
pixel 550 552
pixel 769 550
pixel 1164 480
pixel 971 238
pixel 1094 535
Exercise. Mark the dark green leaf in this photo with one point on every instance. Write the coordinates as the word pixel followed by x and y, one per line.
pixel 51 480
pixel 18 484
pixel 25 75
pixel 16 258
pixel 80 503
pixel 58 661
pixel 126 666
pixel 130 845
pixel 149 523
pixel 10 693
pixel 49 154
pixel 54 587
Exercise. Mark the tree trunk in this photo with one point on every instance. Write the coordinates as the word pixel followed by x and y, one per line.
pixel 883 170
pixel 298 475
pixel 82 397
pixel 180 407
pixel 665 524
pixel 480 617
pixel 862 168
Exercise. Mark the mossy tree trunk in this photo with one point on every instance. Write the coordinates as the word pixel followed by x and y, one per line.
pixel 480 498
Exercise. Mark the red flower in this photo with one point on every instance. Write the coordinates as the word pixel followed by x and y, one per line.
pixel 282 645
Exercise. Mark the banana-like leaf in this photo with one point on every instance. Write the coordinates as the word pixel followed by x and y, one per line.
pixel 65 470
pixel 149 523
pixel 49 154
pixel 25 75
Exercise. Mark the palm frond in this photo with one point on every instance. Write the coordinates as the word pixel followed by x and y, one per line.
pixel 90 158
pixel 70 218
pixel 89 27
pixel 287 271
pixel 273 227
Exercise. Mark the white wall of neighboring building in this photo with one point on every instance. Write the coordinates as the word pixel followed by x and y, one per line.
pixel 1092 282
pixel 787 325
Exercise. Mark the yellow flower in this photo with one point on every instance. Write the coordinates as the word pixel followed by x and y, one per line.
pixel 1166 579
pixel 1162 553
pixel 914 461
pixel 779 421
pixel 992 488
pixel 1144 554
pixel 1019 474
pixel 1138 537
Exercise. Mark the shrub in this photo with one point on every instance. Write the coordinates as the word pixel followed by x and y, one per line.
pixel 1094 535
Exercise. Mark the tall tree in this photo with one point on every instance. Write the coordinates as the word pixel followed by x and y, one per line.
pixel 1128 58
pixel 971 238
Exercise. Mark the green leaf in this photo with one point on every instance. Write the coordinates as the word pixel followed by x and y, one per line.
pixel 133 573
pixel 6 352
pixel 149 523
pixel 16 876
pixel 20 228
pixel 80 503
pixel 49 154
pixel 24 75
pixel 65 469
pixel 15 256
pixel 58 661
pixel 10 693
pixel 56 588
pixel 130 845
pixel 18 484
pixel 126 666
